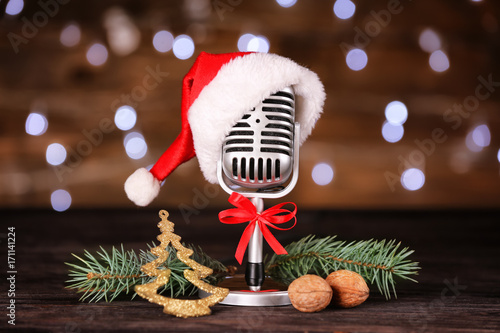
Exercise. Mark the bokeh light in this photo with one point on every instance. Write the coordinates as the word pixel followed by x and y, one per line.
pixel 344 9
pixel 322 174
pixel 396 113
pixel 471 145
pixel 498 155
pixel 123 36
pixel 429 41
pixel 392 132
pixel 243 42
pixel 183 47
pixel 252 43
pixel 286 3
pixel 163 41
pixel 97 54
pixel 356 59
pixel 438 61
pixel 14 7
pixel 412 179
pixel 36 124
pixel 135 145
pixel 60 200
pixel 478 138
pixel 55 154
pixel 125 117
pixel 70 35
pixel 481 136
pixel 258 44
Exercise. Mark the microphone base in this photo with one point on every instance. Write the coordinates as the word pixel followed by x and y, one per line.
pixel 240 295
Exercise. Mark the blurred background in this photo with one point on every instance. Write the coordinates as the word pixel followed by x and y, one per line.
pixel 91 90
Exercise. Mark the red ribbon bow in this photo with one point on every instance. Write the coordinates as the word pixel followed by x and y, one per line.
pixel 246 211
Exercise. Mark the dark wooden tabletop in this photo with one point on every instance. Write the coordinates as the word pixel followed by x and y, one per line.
pixel 458 289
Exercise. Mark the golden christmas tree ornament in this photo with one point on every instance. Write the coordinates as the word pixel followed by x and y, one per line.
pixel 178 307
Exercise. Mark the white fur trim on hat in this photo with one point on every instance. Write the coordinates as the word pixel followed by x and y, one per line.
pixel 239 86
pixel 142 187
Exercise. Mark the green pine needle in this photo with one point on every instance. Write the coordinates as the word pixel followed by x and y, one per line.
pixel 378 262
pixel 106 275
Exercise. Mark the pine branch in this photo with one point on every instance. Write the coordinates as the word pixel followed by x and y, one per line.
pixel 106 275
pixel 377 261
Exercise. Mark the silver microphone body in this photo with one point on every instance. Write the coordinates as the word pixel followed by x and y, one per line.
pixel 259 156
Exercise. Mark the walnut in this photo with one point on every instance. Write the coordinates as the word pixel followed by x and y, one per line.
pixel 310 293
pixel 349 288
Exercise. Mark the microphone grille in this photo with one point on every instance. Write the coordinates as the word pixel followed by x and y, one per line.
pixel 258 152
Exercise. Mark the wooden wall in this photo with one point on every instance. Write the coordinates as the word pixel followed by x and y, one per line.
pixel 77 97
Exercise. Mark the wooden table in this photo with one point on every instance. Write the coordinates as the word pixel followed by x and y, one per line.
pixel 458 289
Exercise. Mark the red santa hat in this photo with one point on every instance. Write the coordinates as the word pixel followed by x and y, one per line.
pixel 217 91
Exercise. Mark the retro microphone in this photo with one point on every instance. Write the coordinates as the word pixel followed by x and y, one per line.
pixel 260 160
pixel 251 152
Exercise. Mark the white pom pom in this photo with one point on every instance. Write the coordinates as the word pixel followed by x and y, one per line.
pixel 142 187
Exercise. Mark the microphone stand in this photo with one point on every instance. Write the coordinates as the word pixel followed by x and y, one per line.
pixel 254 275
pixel 255 268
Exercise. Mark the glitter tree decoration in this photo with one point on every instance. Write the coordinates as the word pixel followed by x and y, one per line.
pixel 179 307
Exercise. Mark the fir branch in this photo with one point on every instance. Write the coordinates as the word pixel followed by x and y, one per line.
pixel 106 275
pixel 377 261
